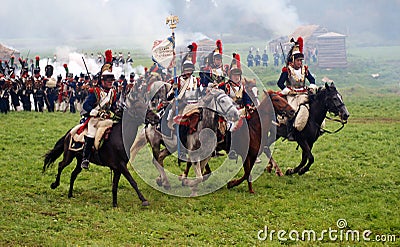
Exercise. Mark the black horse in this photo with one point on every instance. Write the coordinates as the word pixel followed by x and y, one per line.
pixel 111 154
pixel 327 99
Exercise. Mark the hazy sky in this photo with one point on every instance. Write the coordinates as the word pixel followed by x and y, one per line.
pixel 61 22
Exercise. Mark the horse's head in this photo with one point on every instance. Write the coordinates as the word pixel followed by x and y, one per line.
pixel 221 103
pixel 334 102
pixel 280 104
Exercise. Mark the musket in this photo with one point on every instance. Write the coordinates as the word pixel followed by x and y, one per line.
pixel 283 53
pixel 87 71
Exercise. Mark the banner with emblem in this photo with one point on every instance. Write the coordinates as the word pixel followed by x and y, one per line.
pixel 164 52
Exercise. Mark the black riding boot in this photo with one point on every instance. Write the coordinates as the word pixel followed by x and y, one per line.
pixel 87 151
pixel 290 130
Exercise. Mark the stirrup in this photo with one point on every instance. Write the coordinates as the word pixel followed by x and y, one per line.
pixel 232 155
pixel 85 164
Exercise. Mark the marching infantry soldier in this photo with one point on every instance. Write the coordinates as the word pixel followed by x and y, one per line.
pixel 292 84
pixel 257 58
pixel 129 59
pixel 15 86
pixel 276 58
pixel 50 88
pixel 26 87
pixel 71 88
pixel 99 105
pixel 121 60
pixel 38 85
pixel 265 59
pixel 250 59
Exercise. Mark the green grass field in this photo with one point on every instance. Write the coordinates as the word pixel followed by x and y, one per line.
pixel 356 177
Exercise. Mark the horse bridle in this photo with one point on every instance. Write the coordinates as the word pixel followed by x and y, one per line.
pixel 218 104
pixel 335 111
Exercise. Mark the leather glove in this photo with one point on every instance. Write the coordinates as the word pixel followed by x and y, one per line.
pixel 94 113
pixel 313 88
pixel 285 91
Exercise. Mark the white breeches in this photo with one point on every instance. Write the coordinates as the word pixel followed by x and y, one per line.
pixel 302 116
pixel 92 129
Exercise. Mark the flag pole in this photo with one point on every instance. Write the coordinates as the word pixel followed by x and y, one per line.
pixel 172 21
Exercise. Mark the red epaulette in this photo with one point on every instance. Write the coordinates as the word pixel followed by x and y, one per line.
pixel 284 69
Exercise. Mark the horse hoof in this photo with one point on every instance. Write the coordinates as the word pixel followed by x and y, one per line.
pixel 252 192
pixel 167 187
pixel 279 174
pixel 53 186
pixel 206 176
pixel 115 205
pixel 193 194
pixel 181 177
pixel 69 195
pixel 289 172
pixel 231 184
pixel 145 203
pixel 159 182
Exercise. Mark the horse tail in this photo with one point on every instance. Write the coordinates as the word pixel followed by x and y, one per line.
pixel 51 156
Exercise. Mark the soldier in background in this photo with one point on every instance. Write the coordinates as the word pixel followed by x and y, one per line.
pixel 129 59
pixel 265 59
pixel 250 59
pixel 50 88
pixel 257 58
pixel 71 88
pixel 38 87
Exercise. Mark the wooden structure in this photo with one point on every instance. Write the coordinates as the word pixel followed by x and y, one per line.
pixel 331 49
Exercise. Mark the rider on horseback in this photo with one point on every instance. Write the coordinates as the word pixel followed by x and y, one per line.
pixel 294 74
pixel 188 87
pixel 234 88
pixel 98 106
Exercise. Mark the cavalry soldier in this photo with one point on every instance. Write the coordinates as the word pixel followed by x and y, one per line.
pixel 235 88
pixel 295 90
pixel 99 105
pixel 188 86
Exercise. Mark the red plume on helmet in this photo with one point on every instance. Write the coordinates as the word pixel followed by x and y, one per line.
pixel 194 52
pixel 301 43
pixel 237 57
pixel 219 46
pixel 37 61
pixel 109 57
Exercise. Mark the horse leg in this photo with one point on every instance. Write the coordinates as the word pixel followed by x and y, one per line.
pixel 138 144
pixel 247 170
pixel 74 174
pixel 310 158
pixel 162 180
pixel 116 177
pixel 185 173
pixel 124 170
pixel 304 157
pixel 275 165
pixel 207 172
pixel 67 159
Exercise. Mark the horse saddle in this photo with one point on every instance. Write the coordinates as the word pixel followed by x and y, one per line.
pixel 190 119
pixel 79 131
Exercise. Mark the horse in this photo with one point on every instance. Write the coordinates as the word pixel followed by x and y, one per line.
pixel 111 154
pixel 214 103
pixel 327 99
pixel 281 107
